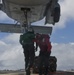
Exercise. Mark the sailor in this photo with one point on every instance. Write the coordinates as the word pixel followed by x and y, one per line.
pixel 26 40
pixel 42 40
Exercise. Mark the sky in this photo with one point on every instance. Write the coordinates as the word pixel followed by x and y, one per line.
pixel 62 39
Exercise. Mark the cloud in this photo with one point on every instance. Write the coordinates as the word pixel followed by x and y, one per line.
pixel 2 43
pixel 11 53
pixel 64 54
pixel 67 10
pixel 5 18
pixel 11 38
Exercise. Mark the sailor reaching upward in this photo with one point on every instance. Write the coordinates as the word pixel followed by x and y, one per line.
pixel 27 43
pixel 42 40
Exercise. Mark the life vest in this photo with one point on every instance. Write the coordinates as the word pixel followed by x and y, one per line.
pixel 27 38
pixel 43 42
pixel 47 41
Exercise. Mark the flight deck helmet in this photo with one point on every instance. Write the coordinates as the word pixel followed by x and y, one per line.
pixel 30 30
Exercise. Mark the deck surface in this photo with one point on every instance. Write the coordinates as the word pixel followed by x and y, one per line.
pixel 23 73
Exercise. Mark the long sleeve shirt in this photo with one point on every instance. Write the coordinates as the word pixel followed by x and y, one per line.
pixel 44 44
pixel 27 38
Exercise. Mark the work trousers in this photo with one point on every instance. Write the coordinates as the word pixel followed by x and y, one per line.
pixel 43 63
pixel 29 54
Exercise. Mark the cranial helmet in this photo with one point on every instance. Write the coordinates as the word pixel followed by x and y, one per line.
pixel 30 30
